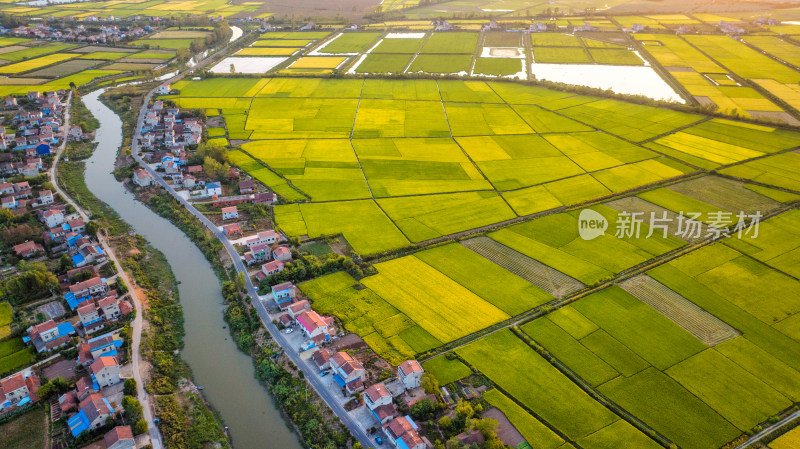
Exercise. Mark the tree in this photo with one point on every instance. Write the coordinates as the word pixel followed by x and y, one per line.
pixel 133 409
pixel 129 388
pixel 429 384
pixel 233 69
pixel 140 427
pixel 92 228
pixel 464 410
pixel 64 264
pixel 486 426
pixel 445 422
pixel 453 443
pixel 241 282
pixel 215 169
pixel 54 386
pixel 423 409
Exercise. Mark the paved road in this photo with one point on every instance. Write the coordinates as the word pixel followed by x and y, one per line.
pixel 136 326
pixel 311 373
pixel 760 435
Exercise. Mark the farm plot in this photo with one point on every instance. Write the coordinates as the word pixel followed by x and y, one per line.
pixel 220 87
pixel 6 317
pixel 415 166
pixel 13 354
pixel 428 63
pixel 105 55
pixel 467 92
pixel 476 119
pixel 400 118
pixel 348 43
pixel 30 53
pixel 435 302
pixel 627 120
pixel 383 63
pixel 312 88
pixel 267 51
pixel 326 170
pixel 721 142
pixel 430 216
pixel 372 232
pixel 615 56
pixel 743 60
pixel 535 433
pixel 781 170
pixel 561 55
pixel 500 67
pixel 510 293
pixel 401 45
pixel 180 34
pixel 445 370
pixel 555 40
pixel 174 44
pixel 776 46
pixel 276 118
pixel 553 240
pixel 401 89
pixel 35 63
pixel 130 66
pixel 704 326
pixel 526 376
pixel 777 245
pixel 283 43
pixel 548 279
pixel 318 62
pixel 66 68
pixel 451 43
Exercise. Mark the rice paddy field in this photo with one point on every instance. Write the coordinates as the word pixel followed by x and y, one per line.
pixel 53 66
pixel 625 340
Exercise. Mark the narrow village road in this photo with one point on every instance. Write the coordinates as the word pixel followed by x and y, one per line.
pixel 764 433
pixel 136 325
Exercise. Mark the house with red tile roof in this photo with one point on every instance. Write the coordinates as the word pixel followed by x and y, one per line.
pixel 295 309
pixel 28 249
pixel 120 437
pixel 410 373
pixel 282 253
pixel 315 326
pixel 269 269
pixel 17 387
pixel 322 359
pixel 232 229
pixel 230 213
pixel 402 432
pixel 105 371
pixel 348 372
pixel 377 395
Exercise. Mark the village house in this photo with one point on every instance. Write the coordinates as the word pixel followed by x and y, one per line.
pixel 322 359
pixel 230 213
pixel 142 178
pixel 88 314
pixel 268 269
pixel 257 254
pixel 246 186
pixel 9 202
pixel 28 249
pixel 283 294
pixel 282 253
pixel 52 218
pixel 92 414
pixel 315 327
pixel 348 372
pixel 377 395
pixel 45 198
pixel 110 308
pixel 295 309
pixel 105 371
pixel 232 229
pixel 402 432
pixel 120 437
pixel 263 238
pixel 49 335
pixel 18 390
pixel 410 373
pixel 90 287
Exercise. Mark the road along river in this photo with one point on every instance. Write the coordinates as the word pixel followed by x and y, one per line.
pixel 226 373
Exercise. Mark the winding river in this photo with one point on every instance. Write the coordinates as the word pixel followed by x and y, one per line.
pixel 217 365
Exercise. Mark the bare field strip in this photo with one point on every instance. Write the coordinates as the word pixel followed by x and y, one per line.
pixel 636 204
pixel 548 279
pixel 686 314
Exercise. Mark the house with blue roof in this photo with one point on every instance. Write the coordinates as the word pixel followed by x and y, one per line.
pixel 283 294
pixel 50 335
pixel 43 149
pixel 92 414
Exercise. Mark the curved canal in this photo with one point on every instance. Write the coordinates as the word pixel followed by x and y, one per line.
pixel 217 365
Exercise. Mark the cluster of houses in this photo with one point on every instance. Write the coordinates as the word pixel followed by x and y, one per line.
pixel 263 247
pixel 95 35
pixel 164 128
